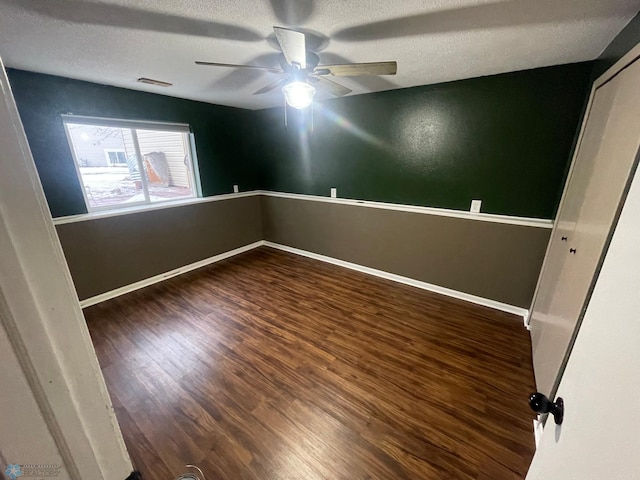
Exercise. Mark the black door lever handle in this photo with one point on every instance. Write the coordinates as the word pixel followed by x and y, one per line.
pixel 564 239
pixel 541 404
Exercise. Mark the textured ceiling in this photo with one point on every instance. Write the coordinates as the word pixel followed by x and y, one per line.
pixel 115 42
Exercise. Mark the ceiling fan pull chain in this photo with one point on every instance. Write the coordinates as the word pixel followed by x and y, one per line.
pixel 286 124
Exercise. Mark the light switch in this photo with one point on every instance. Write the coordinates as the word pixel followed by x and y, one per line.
pixel 334 193
pixel 475 206
pixel 235 189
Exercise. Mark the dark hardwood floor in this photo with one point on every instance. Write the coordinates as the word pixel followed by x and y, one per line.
pixel 274 366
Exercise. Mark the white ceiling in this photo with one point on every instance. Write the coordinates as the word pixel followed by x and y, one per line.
pixel 114 42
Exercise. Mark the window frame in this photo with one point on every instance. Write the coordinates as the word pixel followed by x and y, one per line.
pixel 133 125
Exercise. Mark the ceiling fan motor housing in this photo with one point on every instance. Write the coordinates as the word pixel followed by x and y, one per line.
pixel 312 62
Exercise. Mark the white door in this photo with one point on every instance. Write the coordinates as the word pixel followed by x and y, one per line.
pixel 590 204
pixel 600 436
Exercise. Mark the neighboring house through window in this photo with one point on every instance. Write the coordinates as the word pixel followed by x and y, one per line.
pixel 122 163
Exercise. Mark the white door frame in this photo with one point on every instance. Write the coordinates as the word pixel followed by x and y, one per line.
pixel 40 311
pixel 620 65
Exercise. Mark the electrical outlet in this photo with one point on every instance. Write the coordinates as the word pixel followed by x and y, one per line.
pixel 334 193
pixel 235 189
pixel 475 206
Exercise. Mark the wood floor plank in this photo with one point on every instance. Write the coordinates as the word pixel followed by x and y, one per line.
pixel 273 366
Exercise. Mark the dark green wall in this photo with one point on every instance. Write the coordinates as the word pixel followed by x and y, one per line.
pixel 505 139
pixel 628 38
pixel 221 136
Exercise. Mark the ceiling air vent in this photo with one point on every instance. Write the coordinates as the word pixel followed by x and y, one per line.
pixel 151 81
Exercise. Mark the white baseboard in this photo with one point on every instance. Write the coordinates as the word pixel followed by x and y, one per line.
pixel 522 312
pixel 163 276
pixel 353 266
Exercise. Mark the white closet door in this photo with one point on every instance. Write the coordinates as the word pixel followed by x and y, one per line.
pixel 601 386
pixel 602 167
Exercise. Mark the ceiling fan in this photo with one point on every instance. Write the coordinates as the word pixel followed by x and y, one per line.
pixel 300 70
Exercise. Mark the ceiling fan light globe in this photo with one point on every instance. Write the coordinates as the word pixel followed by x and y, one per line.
pixel 298 94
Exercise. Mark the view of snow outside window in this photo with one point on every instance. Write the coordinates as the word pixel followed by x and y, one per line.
pixel 121 167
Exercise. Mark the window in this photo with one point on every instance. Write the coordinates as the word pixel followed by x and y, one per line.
pixel 115 157
pixel 123 163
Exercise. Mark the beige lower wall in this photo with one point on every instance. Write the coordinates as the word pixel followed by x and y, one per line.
pixel 108 253
pixel 492 260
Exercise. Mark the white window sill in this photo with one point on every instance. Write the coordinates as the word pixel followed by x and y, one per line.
pixel 148 207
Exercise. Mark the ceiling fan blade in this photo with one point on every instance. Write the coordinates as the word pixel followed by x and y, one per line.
pixel 293 46
pixel 370 83
pixel 231 65
pixel 333 87
pixel 272 86
pixel 354 69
